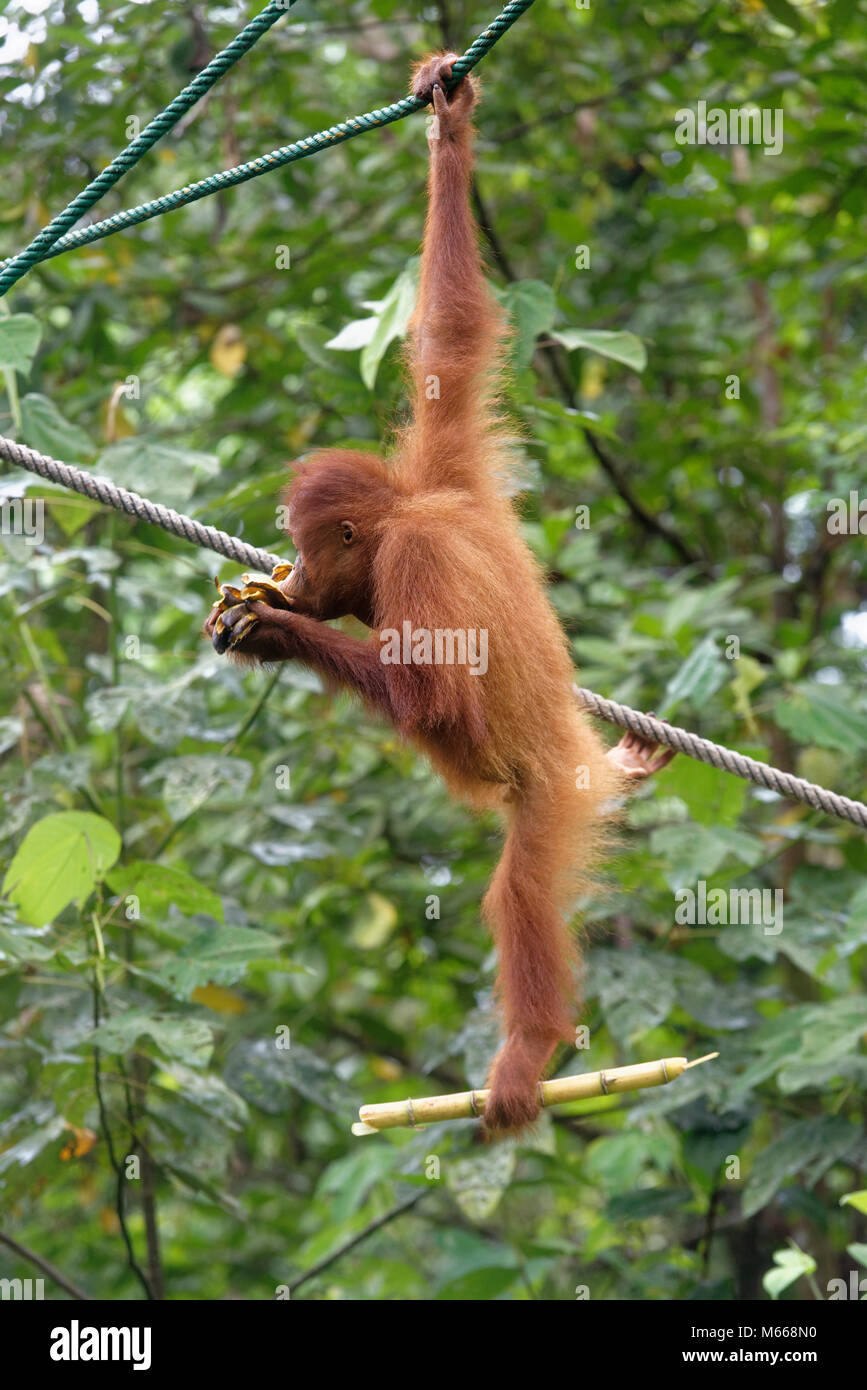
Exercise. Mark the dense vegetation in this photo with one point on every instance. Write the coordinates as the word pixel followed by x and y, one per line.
pixel 245 945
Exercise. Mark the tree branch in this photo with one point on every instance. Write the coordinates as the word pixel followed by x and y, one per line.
pixel 650 523
pixel 369 1230
pixel 117 1165
pixel 653 524
pixel 46 1266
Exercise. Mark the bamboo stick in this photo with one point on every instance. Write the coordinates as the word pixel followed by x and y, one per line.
pixel 465 1104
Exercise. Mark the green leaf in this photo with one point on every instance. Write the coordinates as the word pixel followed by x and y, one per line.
pixel 688 853
pixel 266 1075
pixel 19 339
pixel 858 1200
pixel 700 677
pixel 191 780
pixel 858 1251
pixel 804 1037
pixel 187 1040
pixel 354 335
pixel 21 945
pixel 46 430
pixel 347 1181
pixel 531 306
pixel 314 340
pixel 60 861
pixel 749 674
pixel 11 729
pixel 840 1026
pixel 479 1181
pixel 479 1285
pixel 163 471
pixel 842 14
pixel 393 315
pixel 822 715
pixel 616 1162
pixel 468 1255
pixel 808 1146
pixel 789 1266
pixel 209 1190
pixel 159 886
pixel 618 346
pixel 712 797
pixel 634 990
pixel 206 1091
pixel 784 13
pixel 646 1204
pixel 31 1146
pixel 71 513
pixel 709 1001
pixel 219 956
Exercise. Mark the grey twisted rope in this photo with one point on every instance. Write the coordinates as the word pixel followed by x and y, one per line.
pixel 795 788
pixel 101 490
pixel 39 248
pixel 242 173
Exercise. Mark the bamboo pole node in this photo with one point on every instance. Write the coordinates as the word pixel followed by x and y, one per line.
pixel 465 1104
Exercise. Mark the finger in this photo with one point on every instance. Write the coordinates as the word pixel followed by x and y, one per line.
pixel 662 760
pixel 464 93
pixel 221 635
pixel 276 617
pixel 240 628
pixel 235 615
pixel 229 626
pixel 263 610
pixel 441 106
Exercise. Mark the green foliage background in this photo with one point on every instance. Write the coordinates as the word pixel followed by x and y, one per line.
pixel 282 849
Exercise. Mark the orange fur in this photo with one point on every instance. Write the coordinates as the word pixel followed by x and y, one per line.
pixel 431 540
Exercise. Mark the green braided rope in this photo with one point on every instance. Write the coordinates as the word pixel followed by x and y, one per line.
pixel 40 247
pixel 287 154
